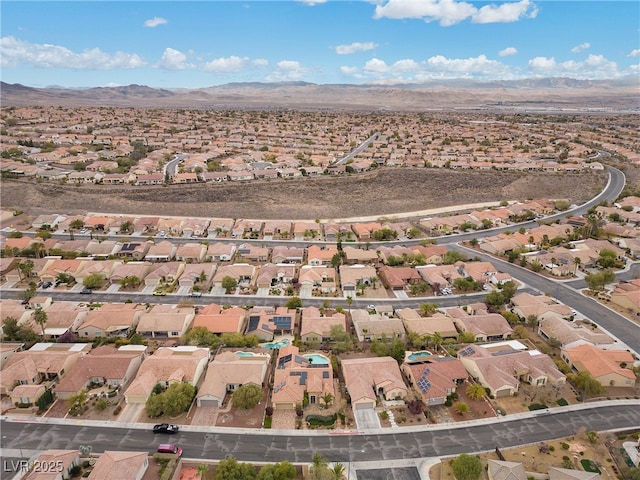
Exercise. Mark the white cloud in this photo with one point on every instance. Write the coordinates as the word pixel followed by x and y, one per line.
pixel 542 64
pixel 355 47
pixel 506 13
pixel 375 66
pixel 595 67
pixel 352 71
pixel 508 51
pixel 230 64
pixel 287 70
pixel 581 48
pixel 173 60
pixel 260 62
pixel 312 3
pixel 450 12
pixel 154 22
pixel 14 52
pixel 634 53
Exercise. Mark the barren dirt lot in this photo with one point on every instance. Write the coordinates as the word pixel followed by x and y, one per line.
pixel 385 191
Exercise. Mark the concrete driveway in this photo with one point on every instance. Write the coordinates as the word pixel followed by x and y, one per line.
pixel 366 419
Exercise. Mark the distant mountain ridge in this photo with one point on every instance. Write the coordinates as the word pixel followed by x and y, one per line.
pixel 554 92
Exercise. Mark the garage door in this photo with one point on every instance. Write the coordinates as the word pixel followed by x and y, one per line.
pixel 364 406
pixel 208 403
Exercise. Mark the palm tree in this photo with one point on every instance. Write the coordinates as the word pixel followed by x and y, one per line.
pixel 25 268
pixel 475 391
pixel 203 469
pixel 577 262
pixel 37 248
pixel 40 317
pixel 437 340
pixel 338 471
pixel 319 466
pixel 327 398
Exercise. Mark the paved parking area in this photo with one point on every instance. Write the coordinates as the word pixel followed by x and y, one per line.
pixel 366 419
pixel 396 473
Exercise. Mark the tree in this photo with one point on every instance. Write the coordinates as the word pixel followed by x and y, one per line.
pixel 93 281
pixel 467 467
pixel 294 302
pixel 10 328
pixel 327 398
pixel 246 397
pixel 338 471
pixel 319 467
pixel 178 398
pixel 203 468
pixel 230 469
pixel 475 391
pixel 277 471
pixel 40 317
pixel 586 384
pixel 461 408
pixel 229 284
pixel 597 281
pixel 427 309
pixel 26 268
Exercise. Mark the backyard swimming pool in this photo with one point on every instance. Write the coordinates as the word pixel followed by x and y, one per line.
pixel 418 356
pixel 317 359
pixel 282 343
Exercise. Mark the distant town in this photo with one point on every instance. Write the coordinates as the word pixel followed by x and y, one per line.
pixel 388 323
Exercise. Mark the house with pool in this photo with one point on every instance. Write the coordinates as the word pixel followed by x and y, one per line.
pixel 297 376
pixel 228 371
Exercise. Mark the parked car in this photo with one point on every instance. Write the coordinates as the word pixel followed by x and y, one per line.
pixel 160 293
pixel 170 448
pixel 46 284
pixel 165 428
pixel 196 294
pixel 86 291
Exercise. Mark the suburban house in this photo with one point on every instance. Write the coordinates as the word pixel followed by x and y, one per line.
pixel 15 309
pixel 502 366
pixel 320 280
pixel 241 272
pixel 627 296
pixel 64 460
pixel 7 349
pixel 191 252
pixel 129 270
pixel 27 394
pixel 285 254
pixel 438 323
pixel 612 368
pixel 353 256
pixel 199 274
pixel 227 372
pixel 103 268
pixel 434 381
pixel 276 229
pixel 571 334
pixel 371 327
pixel 164 273
pixel 166 366
pixel 61 318
pixel 307 231
pixel 353 276
pixel 134 250
pixel 489 327
pixel 128 464
pixel 110 320
pixel 320 255
pixel 102 249
pixel 276 275
pixel 253 253
pixel 165 321
pixel 42 363
pixel 220 252
pixel 296 376
pixel 399 278
pixel 316 327
pixel 528 306
pixel 368 378
pixel 163 251
pixel 219 320
pixel 265 322
pixel 104 365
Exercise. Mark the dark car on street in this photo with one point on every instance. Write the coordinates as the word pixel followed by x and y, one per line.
pixel 165 428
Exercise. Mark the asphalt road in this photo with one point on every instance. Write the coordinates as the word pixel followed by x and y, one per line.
pixel 19 438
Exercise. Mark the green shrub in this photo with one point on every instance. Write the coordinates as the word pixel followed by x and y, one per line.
pixel 321 420
pixel 562 402
pixel 268 421
pixel 589 466
pixel 564 445
pixel 537 406
pixel 552 448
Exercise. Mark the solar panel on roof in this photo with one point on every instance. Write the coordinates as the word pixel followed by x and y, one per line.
pixel 282 321
pixel 279 386
pixel 467 351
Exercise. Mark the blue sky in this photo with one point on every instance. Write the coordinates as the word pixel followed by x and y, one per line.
pixel 182 44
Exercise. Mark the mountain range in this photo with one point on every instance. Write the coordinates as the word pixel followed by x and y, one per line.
pixel 530 94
